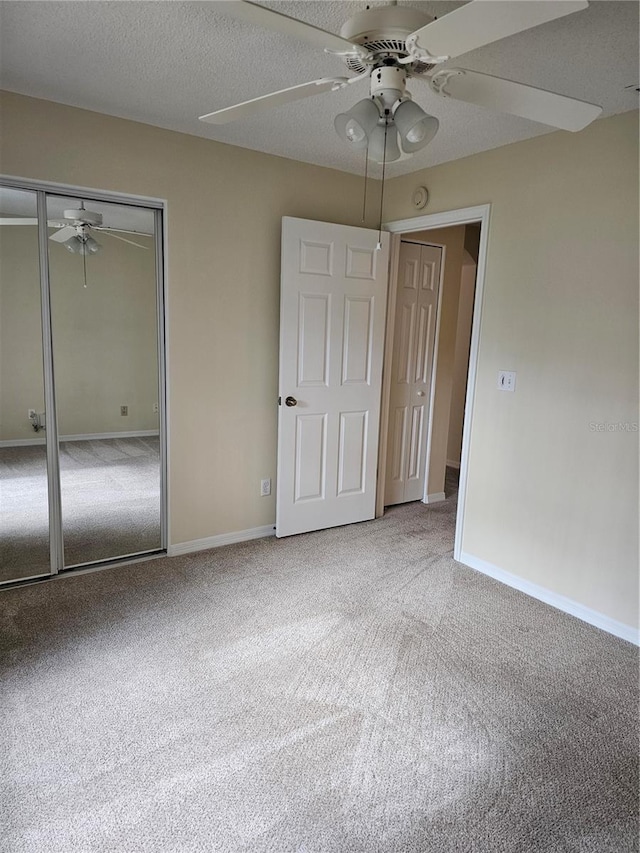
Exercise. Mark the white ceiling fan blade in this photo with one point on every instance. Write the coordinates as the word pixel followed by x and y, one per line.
pixel 63 234
pixel 124 240
pixel 275 99
pixel 263 17
pixel 515 98
pixel 484 21
pixel 120 230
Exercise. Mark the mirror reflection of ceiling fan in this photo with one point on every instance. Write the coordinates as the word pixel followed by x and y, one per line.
pixel 390 44
pixel 74 230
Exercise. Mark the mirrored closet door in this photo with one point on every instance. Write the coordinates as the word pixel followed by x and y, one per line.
pixel 24 500
pixel 82 479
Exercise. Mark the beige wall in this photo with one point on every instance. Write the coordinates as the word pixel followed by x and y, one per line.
pixel 21 382
pixel 224 212
pixel 453 241
pixel 104 336
pixel 472 240
pixel 551 498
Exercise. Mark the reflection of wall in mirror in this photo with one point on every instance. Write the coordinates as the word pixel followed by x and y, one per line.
pixel 105 350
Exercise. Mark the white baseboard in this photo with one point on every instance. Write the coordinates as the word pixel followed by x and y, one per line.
pixel 435 498
pixel 90 436
pixel 452 464
pixel 98 436
pixel 21 442
pixel 221 539
pixel 560 602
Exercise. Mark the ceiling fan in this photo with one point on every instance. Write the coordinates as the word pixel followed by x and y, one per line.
pixel 75 231
pixel 390 44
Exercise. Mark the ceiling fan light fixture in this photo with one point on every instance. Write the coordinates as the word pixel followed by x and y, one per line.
pixel 377 144
pixel 355 126
pixel 73 245
pixel 416 127
pixel 90 247
pixel 79 246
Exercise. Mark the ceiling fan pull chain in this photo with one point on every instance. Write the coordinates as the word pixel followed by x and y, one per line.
pixel 384 163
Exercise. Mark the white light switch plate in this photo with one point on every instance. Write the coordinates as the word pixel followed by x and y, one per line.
pixel 507 380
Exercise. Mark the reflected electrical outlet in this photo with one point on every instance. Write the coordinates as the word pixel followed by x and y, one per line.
pixel 124 411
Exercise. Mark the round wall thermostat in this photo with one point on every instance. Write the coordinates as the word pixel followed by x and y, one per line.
pixel 420 198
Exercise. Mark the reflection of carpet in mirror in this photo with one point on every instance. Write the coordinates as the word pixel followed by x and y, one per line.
pixel 110 502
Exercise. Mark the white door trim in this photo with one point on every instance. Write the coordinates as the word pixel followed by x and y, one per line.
pixel 463 216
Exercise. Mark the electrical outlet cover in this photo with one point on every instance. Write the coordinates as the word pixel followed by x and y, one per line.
pixel 507 380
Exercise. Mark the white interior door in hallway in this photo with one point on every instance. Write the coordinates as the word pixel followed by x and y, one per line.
pixel 332 326
pixel 412 368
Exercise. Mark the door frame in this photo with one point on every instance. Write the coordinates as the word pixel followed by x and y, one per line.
pixel 400 227
pixel 159 208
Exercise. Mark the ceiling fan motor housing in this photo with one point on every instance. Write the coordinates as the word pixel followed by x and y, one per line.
pixel 388 84
pixel 83 217
pixel 383 32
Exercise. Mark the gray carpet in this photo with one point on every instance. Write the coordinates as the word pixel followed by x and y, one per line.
pixel 347 691
pixel 110 503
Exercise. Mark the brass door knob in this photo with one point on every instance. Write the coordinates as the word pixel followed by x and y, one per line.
pixel 291 401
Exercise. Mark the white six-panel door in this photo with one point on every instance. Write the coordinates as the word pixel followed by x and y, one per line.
pixel 412 366
pixel 332 323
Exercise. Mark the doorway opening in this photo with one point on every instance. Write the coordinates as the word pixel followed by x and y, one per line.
pixel 433 324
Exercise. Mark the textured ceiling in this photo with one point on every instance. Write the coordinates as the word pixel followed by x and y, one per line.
pixel 165 63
